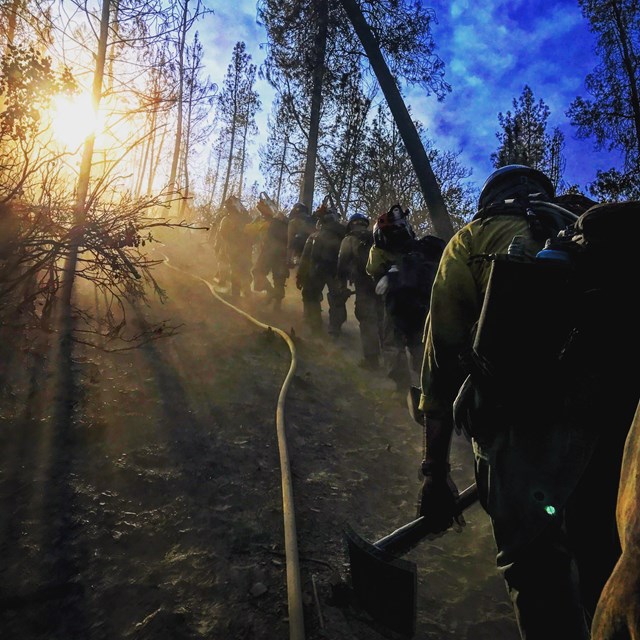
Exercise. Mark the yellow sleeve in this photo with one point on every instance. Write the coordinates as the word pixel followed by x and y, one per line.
pixel 379 262
pixel 455 307
pixel 256 229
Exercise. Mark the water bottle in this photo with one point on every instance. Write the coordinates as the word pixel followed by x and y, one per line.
pixel 554 253
pixel 516 248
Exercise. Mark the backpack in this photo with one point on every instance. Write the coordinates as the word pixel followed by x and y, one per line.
pixel 555 337
pixel 416 268
pixel 363 244
pixel 299 229
pixel 326 247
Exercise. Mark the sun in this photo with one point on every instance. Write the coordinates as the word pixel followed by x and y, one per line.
pixel 73 119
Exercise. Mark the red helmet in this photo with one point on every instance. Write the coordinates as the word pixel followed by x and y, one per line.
pixel 395 217
pixel 392 228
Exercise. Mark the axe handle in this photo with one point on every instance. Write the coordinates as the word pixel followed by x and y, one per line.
pixel 406 537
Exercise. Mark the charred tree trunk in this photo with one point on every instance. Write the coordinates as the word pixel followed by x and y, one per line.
pixel 281 172
pixel 173 187
pixel 65 315
pixel 428 182
pixel 320 48
pixel 232 143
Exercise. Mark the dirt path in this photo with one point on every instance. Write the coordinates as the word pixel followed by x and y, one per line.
pixel 158 515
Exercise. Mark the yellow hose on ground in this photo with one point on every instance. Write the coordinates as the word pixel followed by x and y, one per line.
pixel 294 585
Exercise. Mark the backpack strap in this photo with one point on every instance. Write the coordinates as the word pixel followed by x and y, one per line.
pixel 545 219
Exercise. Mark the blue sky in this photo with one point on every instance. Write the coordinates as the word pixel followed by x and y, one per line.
pixel 491 50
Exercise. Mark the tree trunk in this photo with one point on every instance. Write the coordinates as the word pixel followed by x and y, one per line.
pixel 155 160
pixel 232 143
pixel 112 57
pixel 320 48
pixel 187 145
pixel 243 155
pixel 149 143
pixel 145 160
pixel 65 316
pixel 12 20
pixel 280 173
pixel 428 183
pixel 214 183
pixel 173 187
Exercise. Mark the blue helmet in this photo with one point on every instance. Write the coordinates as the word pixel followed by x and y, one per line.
pixel 358 217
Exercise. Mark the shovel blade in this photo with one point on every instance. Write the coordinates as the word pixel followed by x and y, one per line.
pixel 385 586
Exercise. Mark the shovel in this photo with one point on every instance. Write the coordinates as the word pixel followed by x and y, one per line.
pixel 384 584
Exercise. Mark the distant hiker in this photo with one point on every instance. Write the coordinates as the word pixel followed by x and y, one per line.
pixel 272 253
pixel 301 226
pixel 234 246
pixel 403 268
pixel 546 399
pixel 352 269
pixel 318 269
pixel 618 612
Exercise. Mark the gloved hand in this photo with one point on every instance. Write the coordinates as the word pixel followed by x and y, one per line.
pixel 437 503
pixel 345 293
pixel 382 286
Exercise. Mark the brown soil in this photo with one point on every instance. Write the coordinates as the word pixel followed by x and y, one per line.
pixel 156 514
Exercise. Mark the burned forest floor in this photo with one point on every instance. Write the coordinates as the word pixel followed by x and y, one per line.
pixel 155 512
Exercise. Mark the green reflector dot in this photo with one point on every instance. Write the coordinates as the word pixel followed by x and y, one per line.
pixel 550 509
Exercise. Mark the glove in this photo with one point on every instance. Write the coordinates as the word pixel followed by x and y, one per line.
pixel 345 293
pixel 437 503
pixel 382 286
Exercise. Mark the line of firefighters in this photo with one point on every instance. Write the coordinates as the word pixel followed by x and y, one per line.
pixel 530 349
pixel 389 269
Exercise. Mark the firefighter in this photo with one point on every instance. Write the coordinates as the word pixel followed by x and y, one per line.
pixel 352 263
pixel 271 259
pixel 318 270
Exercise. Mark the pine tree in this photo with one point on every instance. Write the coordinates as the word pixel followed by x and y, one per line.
pixel 392 40
pixel 524 138
pixel 612 116
pixel 281 158
pixel 386 176
pixel 199 97
pixel 237 105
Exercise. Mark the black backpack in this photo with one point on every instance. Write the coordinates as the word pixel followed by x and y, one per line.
pixel 553 330
pixel 416 267
pixel 326 246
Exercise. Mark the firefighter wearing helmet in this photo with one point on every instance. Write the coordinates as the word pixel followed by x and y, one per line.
pixel 318 271
pixel 352 269
pixel 536 470
pixel 402 267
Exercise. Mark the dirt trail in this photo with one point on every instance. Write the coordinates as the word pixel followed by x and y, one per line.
pixel 157 514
